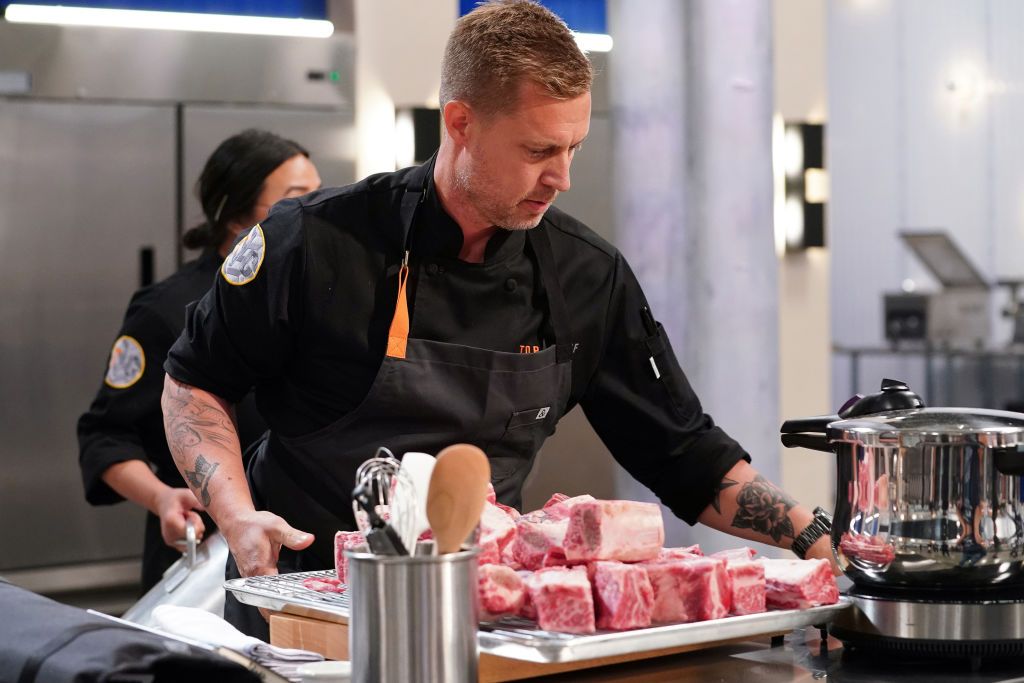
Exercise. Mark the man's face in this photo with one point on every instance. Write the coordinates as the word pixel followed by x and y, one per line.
pixel 516 163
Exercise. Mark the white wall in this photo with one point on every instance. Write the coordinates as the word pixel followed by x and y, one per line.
pixel 924 110
pixel 804 311
pixel 399 45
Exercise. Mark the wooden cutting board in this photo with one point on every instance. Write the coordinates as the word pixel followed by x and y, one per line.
pixel 331 640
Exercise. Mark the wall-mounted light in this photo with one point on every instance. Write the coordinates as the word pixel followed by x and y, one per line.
pixel 969 85
pixel 168 21
pixel 801 185
pixel 417 134
pixel 594 42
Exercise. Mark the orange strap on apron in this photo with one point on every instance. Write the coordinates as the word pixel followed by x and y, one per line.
pixel 398 335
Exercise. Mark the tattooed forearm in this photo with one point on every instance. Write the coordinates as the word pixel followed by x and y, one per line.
pixel 199 478
pixel 764 508
pixel 189 423
pixel 203 440
pixel 723 485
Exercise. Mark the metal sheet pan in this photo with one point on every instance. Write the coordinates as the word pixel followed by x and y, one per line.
pixel 521 639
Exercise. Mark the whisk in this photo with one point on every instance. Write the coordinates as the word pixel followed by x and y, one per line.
pixel 381 477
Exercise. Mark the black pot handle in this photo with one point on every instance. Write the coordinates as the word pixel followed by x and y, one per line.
pixel 814 425
pixel 815 442
pixel 807 432
pixel 1009 460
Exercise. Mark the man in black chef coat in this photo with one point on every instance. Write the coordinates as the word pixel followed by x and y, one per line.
pixel 446 303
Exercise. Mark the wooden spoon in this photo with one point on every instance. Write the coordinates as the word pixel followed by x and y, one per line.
pixel 456 496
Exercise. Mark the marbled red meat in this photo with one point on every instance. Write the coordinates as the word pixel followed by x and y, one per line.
pixel 623 597
pixel 623 530
pixel 563 599
pixel 690 589
pixel 799 584
pixel 501 591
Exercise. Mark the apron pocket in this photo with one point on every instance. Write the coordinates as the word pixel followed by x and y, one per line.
pixel 527 418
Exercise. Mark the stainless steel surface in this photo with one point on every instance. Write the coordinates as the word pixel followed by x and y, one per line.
pixel 509 639
pixel 83 186
pixel 922 619
pixel 285 593
pixel 521 639
pixel 920 503
pixel 328 135
pixel 932 427
pixel 198 583
pixel 177 66
pixel 413 618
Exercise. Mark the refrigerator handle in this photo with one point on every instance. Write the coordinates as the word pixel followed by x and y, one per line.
pixel 145 266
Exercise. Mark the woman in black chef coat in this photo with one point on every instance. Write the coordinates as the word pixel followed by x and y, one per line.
pixel 122 448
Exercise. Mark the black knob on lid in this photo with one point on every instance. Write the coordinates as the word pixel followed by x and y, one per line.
pixel 895 395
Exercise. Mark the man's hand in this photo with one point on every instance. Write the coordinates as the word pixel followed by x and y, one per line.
pixel 822 549
pixel 255 539
pixel 175 507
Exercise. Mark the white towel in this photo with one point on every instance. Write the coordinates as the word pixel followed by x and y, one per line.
pixel 197 624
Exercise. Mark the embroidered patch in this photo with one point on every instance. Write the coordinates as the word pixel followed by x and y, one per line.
pixel 243 263
pixel 127 363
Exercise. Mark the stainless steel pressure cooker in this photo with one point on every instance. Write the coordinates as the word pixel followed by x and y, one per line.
pixel 926 498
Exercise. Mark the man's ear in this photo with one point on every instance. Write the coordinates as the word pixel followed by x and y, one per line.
pixel 458 117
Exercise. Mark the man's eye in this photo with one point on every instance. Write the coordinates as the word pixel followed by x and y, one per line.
pixel 538 153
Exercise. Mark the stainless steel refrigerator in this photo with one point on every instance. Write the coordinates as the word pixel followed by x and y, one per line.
pixel 102 136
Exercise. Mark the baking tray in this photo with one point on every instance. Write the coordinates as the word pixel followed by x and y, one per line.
pixel 285 593
pixel 521 639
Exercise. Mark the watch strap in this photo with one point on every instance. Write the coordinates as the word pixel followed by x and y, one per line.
pixel 820 525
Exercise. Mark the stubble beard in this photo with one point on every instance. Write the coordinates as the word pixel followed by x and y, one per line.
pixel 499 215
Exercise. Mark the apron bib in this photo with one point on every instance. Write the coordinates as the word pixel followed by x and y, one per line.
pixel 426 395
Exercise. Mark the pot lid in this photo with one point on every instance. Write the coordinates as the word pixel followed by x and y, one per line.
pixel 938 426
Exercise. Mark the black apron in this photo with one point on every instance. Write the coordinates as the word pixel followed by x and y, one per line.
pixel 427 395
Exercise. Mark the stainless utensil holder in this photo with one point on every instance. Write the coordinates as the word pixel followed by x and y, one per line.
pixel 413 618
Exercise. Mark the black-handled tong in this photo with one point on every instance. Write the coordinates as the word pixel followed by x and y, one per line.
pixel 382 537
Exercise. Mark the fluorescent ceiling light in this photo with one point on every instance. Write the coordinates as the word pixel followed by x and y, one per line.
pixel 593 42
pixel 168 21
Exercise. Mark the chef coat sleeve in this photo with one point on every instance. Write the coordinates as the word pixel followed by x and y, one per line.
pixel 654 427
pixel 240 333
pixel 128 401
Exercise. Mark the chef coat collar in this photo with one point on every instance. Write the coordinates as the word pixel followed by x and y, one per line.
pixel 437 235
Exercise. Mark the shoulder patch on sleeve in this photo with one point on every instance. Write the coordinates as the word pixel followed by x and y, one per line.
pixel 127 363
pixel 243 263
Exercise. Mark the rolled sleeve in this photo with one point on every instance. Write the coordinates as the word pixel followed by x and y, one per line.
pixel 655 427
pixel 240 332
pixel 112 430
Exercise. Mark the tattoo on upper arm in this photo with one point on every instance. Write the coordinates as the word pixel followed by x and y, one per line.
pixel 200 478
pixel 764 508
pixel 723 485
pixel 189 422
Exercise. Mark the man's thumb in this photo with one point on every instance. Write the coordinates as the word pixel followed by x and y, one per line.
pixel 292 538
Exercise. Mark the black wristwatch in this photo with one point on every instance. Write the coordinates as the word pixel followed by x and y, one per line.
pixel 819 526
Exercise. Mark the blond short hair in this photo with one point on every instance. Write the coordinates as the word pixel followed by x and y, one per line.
pixel 503 43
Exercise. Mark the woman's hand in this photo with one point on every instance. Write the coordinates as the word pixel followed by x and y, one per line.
pixel 175 507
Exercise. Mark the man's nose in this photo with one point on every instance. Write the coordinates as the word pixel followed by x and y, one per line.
pixel 556 175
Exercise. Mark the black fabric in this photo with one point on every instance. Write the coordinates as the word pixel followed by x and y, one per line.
pixel 127 424
pixel 306 479
pixel 42 641
pixel 309 332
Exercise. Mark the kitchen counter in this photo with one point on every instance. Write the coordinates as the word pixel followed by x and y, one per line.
pixel 800 658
